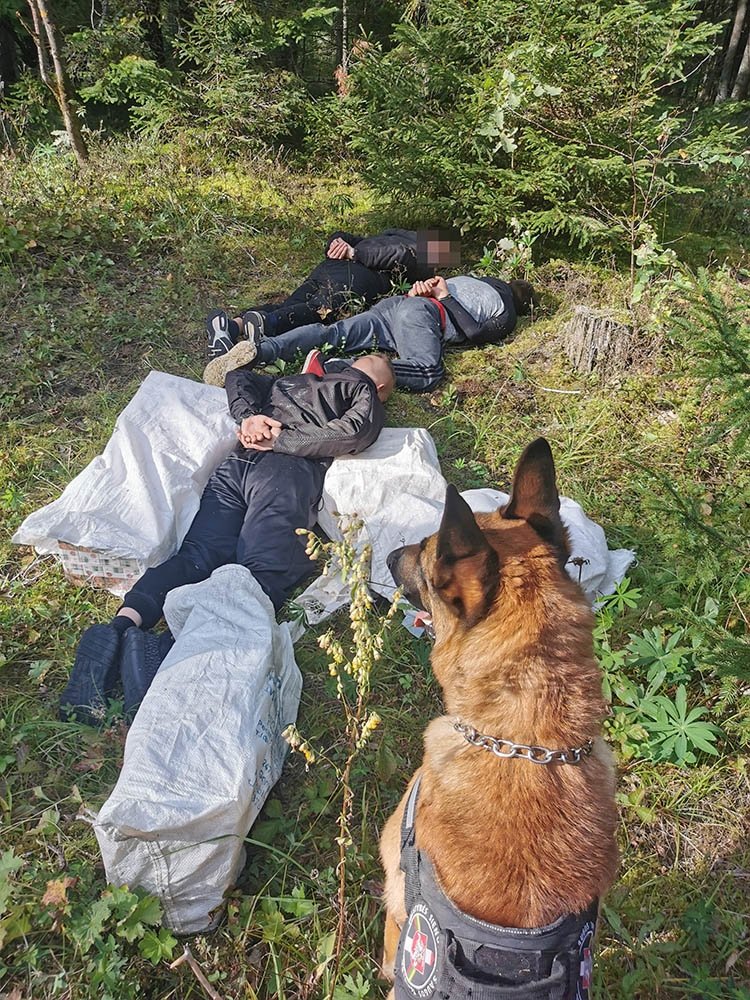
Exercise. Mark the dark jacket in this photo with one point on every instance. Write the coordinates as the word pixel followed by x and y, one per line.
pixel 494 330
pixel 338 414
pixel 379 261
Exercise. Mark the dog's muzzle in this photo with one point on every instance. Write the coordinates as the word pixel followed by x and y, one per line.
pixel 392 560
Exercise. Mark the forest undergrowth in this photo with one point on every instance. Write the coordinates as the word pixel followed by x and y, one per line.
pixel 106 273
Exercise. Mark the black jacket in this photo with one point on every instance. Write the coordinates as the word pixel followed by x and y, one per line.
pixel 338 414
pixel 378 260
pixel 494 330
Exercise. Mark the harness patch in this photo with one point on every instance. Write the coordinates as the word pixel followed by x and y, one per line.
pixel 419 959
pixel 586 960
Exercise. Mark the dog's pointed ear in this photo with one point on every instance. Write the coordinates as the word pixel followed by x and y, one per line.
pixel 535 498
pixel 466 565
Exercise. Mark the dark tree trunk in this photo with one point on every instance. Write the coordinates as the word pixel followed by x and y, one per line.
pixel 152 24
pixel 61 88
pixel 742 80
pixel 8 55
pixel 730 53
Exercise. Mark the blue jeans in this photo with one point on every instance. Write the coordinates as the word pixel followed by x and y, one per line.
pixel 406 327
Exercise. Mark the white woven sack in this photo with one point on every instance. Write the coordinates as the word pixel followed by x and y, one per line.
pixel 398 490
pixel 136 500
pixel 204 750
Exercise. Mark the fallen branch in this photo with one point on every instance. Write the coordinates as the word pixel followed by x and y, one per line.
pixel 187 956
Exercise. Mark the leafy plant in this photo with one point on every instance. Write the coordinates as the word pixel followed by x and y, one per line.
pixel 556 116
pixel 676 732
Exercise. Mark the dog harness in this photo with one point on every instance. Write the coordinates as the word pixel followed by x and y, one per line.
pixel 445 954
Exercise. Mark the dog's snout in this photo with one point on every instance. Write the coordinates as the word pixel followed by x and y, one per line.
pixel 392 561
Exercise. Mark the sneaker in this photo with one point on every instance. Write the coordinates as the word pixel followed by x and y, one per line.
pixel 314 364
pixel 94 676
pixel 255 324
pixel 219 334
pixel 141 656
pixel 240 355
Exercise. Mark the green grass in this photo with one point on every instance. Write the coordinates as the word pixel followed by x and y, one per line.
pixel 108 274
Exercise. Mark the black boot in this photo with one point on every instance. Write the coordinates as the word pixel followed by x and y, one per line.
pixel 93 677
pixel 140 657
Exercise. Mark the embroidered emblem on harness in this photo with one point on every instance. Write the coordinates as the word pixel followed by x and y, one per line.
pixel 586 960
pixel 419 956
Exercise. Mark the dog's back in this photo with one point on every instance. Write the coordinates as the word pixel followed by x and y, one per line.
pixel 513 840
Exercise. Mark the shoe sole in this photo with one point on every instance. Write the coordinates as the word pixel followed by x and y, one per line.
pixel 307 368
pixel 217 370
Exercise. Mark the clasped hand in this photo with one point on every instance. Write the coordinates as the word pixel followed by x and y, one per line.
pixel 258 432
pixel 432 288
pixel 340 250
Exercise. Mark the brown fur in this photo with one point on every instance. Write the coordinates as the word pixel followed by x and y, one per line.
pixel 513 842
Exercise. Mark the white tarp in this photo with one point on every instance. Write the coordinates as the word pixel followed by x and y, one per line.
pixel 204 749
pixel 136 500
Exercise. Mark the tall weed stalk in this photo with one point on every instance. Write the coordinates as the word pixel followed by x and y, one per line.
pixel 351 661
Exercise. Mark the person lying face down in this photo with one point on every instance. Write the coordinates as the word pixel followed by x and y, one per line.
pixel 413 328
pixel 289 429
pixel 356 271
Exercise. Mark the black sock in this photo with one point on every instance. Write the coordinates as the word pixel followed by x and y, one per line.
pixel 236 330
pixel 120 623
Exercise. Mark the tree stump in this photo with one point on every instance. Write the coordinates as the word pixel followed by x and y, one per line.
pixel 594 339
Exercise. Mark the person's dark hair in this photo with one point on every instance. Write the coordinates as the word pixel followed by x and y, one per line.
pixel 524 296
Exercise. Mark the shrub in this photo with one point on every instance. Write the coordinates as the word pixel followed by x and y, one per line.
pixel 558 115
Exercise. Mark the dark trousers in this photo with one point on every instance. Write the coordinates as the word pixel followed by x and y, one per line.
pixel 332 287
pixel 249 513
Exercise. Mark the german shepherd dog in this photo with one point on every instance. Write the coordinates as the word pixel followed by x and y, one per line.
pixel 514 839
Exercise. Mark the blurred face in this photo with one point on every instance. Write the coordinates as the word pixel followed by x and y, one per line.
pixel 438 248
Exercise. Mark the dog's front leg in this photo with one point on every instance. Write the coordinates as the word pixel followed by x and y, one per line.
pixel 393 894
pixel 390 946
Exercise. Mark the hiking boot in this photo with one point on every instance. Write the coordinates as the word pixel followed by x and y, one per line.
pixel 241 354
pixel 141 656
pixel 93 677
pixel 314 364
pixel 219 330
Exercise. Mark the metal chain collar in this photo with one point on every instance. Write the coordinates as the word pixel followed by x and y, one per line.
pixel 537 755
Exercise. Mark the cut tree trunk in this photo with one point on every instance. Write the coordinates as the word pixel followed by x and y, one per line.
pixel 595 339
pixel 730 55
pixel 62 89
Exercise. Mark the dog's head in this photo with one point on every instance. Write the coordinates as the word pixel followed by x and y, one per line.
pixel 455 574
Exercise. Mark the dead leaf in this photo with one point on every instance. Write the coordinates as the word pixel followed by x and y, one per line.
pixel 92 761
pixel 56 894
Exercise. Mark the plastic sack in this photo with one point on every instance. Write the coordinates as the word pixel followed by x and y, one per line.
pixel 204 750
pixel 397 489
pixel 132 505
